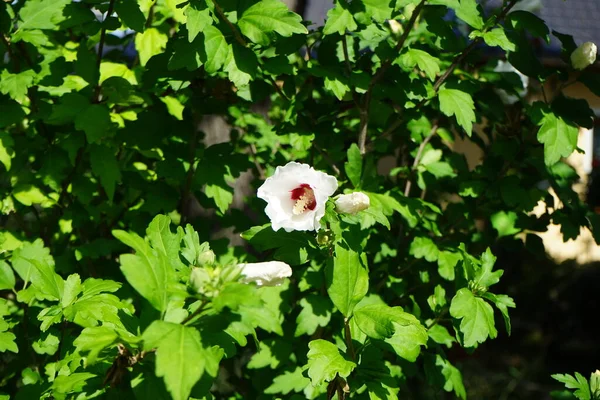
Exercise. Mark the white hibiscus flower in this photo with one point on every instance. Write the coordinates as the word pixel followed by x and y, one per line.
pixel 271 273
pixel 296 195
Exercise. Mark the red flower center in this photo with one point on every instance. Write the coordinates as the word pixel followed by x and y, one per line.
pixel 304 199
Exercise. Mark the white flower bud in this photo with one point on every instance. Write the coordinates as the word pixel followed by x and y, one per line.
pixel 270 273
pixel 584 55
pixel 395 27
pixel 352 203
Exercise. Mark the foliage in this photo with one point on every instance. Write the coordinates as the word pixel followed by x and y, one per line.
pixel 118 267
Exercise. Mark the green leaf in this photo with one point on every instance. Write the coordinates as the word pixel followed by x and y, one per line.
pixel 425 61
pixel 7 276
pixel 504 223
pixel 347 279
pixel 48 345
pixel 353 166
pixel 468 12
pixel 150 43
pixel 337 87
pixel 316 311
pixel 28 194
pixel 16 85
pixel 379 10
pixel 526 21
pixel 453 378
pixel 147 271
pixel 558 136
pixel 484 275
pixel 93 340
pixel 578 382
pixel 261 19
pixel 339 19
pixel 129 12
pixel 446 263
pixel 460 104
pixel 105 166
pixel 502 302
pixel 71 290
pixel 95 122
pixel 422 247
pixel 497 37
pixel 241 65
pixel 73 383
pixel 215 48
pixel 223 196
pixel 477 317
pixel 293 381
pixel 292 247
pixel 408 339
pixel 7 339
pixel 440 334
pixel 181 359
pixel 40 14
pixel 162 239
pixel 325 362
pixel 198 18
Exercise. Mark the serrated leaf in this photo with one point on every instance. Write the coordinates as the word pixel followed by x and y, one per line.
pixel 484 275
pixel 477 317
pixel 150 43
pixel 425 61
pixel 129 12
pixel 337 87
pixel 558 136
pixel 353 166
pixel 454 102
pixel 578 382
pixel 7 339
pixel 423 247
pixel 293 381
pixel 147 271
pixel 468 12
pixel 40 14
pixel 292 246
pixel 325 362
pixel 95 122
pixel 440 334
pixel 453 378
pixel 339 19
pixel 16 85
pixel 48 345
pixel 408 339
pixel 241 65
pixel 347 279
pixel 73 383
pixel 93 340
pixel 316 311
pixel 497 37
pixel 7 276
pixel 524 20
pixel 105 165
pixel 502 302
pixel 261 19
pixel 446 263
pixel 216 50
pixel 71 290
pixel 379 10
pixel 181 359
pixel 198 18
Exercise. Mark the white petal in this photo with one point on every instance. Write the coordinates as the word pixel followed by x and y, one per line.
pixel 270 273
pixel 276 191
pixel 352 203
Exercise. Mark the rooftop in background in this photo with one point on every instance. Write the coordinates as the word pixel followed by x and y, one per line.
pixel 580 18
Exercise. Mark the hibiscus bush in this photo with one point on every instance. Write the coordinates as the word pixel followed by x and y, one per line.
pixel 217 199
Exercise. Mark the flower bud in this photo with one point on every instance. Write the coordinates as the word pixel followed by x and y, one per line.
pixel 199 278
pixel 584 55
pixel 352 203
pixel 271 273
pixel 395 27
pixel 206 257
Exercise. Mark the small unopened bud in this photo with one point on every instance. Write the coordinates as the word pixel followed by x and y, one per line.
pixel 584 55
pixel 199 278
pixel 206 258
pixel 352 203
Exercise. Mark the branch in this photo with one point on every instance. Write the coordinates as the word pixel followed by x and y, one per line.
pixel 236 34
pixel 418 157
pixel 364 112
pixel 11 55
pixel 458 59
pixel 109 12
pixel 195 313
pixel 348 337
